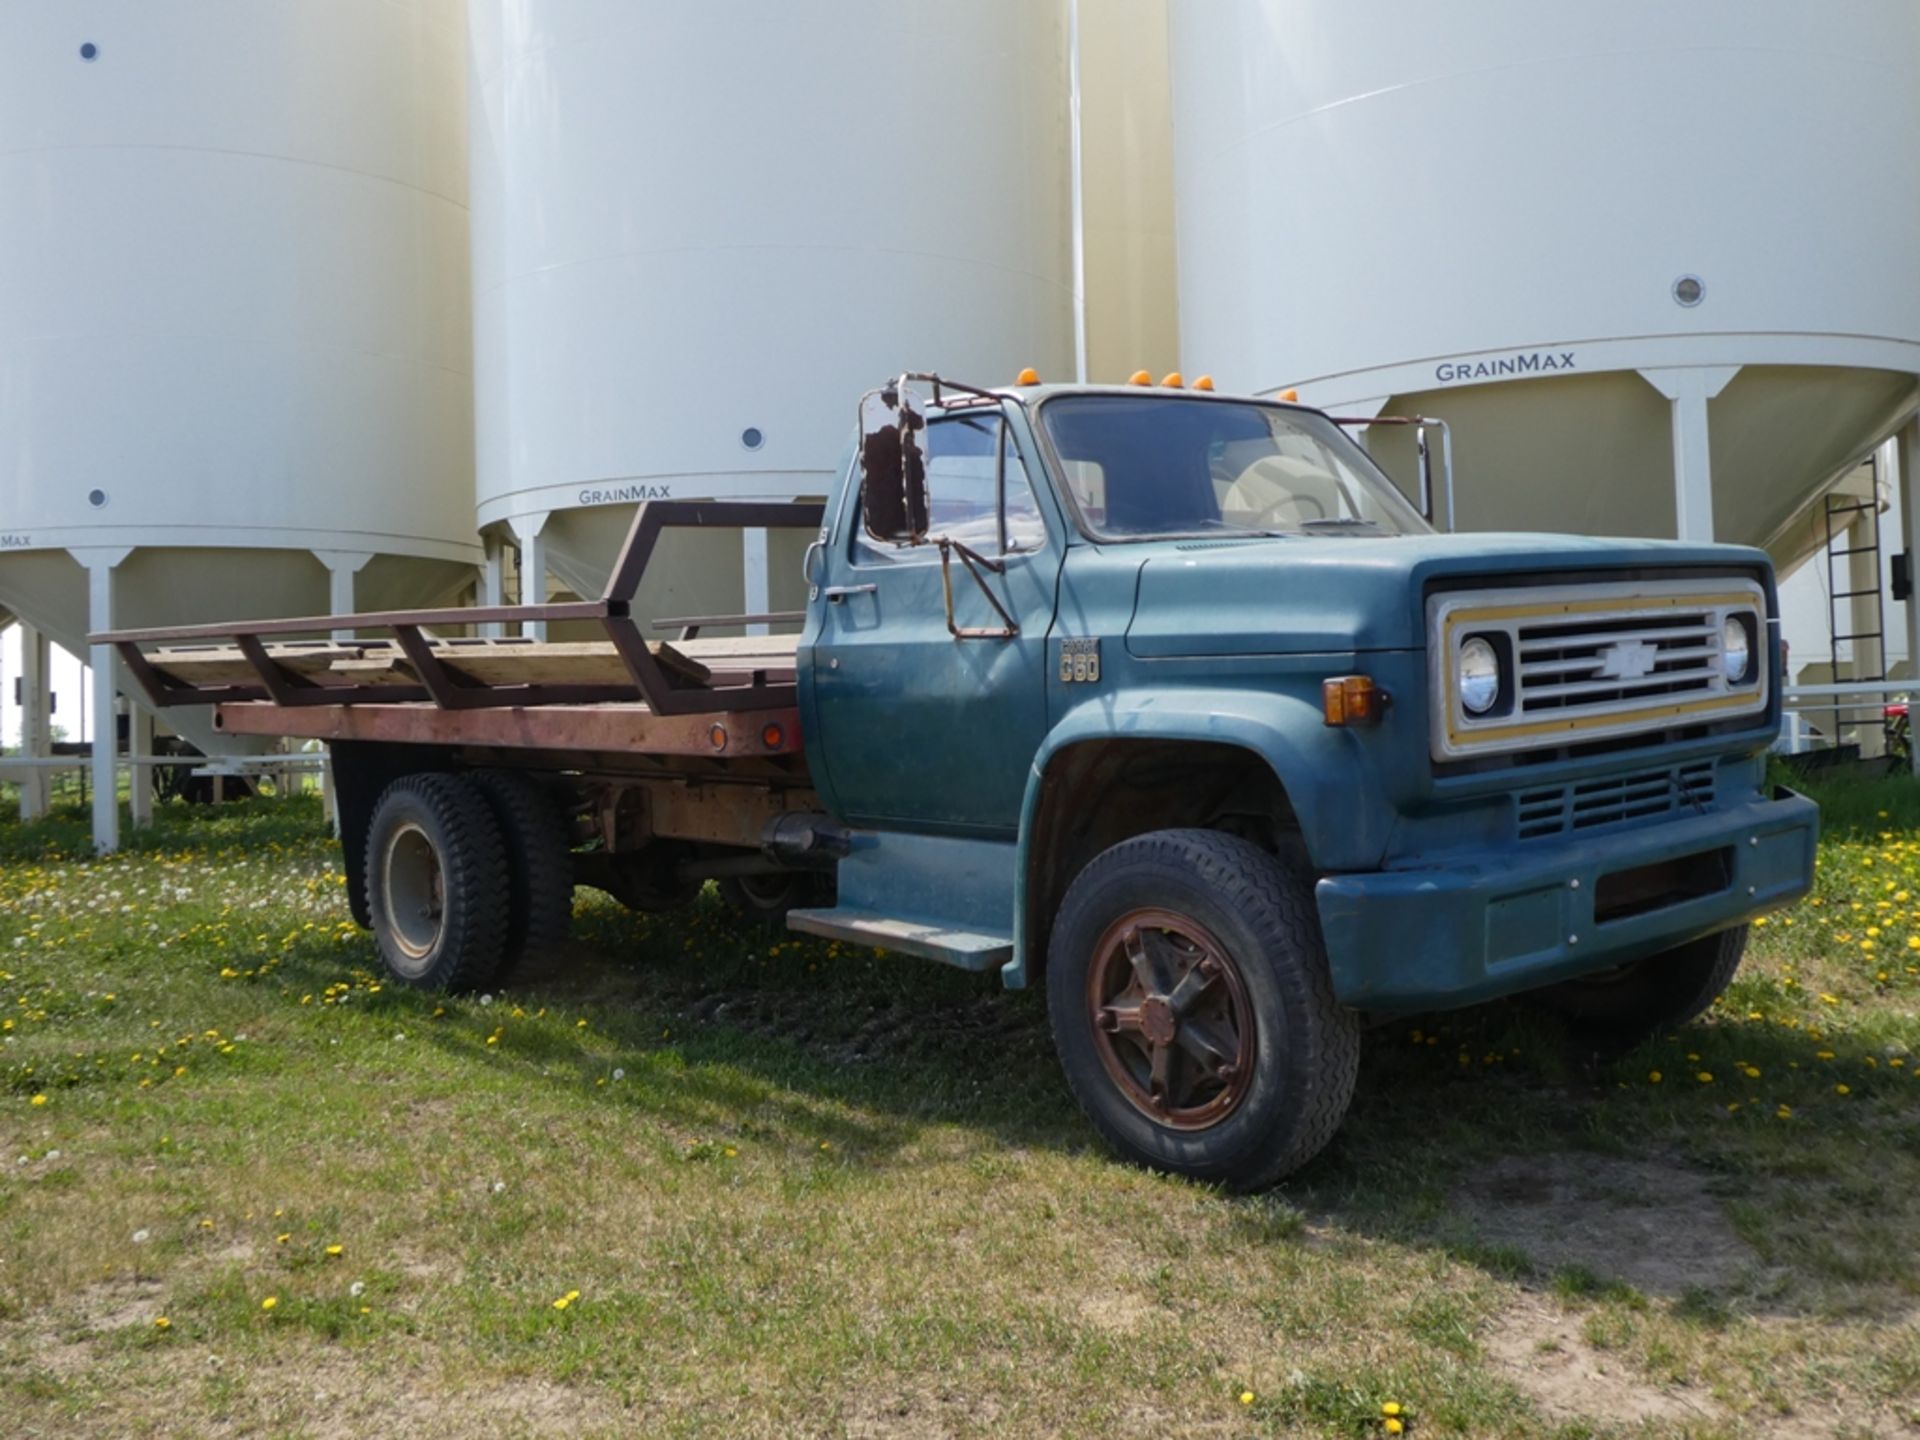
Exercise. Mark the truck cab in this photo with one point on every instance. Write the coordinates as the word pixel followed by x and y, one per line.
pixel 1073 653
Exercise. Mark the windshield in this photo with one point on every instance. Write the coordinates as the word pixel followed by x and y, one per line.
pixel 1156 465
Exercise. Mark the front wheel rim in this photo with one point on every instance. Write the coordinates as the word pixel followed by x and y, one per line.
pixel 1171 1019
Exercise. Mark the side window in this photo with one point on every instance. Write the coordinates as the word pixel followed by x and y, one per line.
pixel 962 455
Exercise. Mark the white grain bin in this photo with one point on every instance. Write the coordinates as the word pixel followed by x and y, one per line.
pixel 235 369
pixel 701 231
pixel 1126 174
pixel 1603 240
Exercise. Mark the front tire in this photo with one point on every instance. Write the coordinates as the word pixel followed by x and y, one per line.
pixel 437 886
pixel 1620 1008
pixel 1193 1011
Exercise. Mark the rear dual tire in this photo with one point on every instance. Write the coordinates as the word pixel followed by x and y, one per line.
pixel 464 875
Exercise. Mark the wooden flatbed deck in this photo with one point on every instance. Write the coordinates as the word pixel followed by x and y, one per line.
pixel 276 677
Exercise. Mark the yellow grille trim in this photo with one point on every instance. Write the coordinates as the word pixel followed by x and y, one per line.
pixel 1483 614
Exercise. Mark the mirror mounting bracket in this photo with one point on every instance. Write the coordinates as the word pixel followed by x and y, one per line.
pixel 974 562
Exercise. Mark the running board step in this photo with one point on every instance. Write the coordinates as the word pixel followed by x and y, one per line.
pixel 964 948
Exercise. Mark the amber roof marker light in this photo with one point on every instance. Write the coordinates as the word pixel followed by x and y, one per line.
pixel 1203 382
pixel 1028 376
pixel 1140 377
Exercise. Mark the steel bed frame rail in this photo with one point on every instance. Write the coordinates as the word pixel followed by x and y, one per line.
pixel 448 687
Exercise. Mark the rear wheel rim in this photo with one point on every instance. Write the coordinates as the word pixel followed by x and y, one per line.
pixel 415 890
pixel 1171 1019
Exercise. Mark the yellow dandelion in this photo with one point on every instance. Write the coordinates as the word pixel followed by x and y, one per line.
pixel 1843 1089
pixel 1785 1112
pixel 269 1302
pixel 1393 1426
pixel 1390 1409
pixel 1654 1077
pixel 1246 1397
pixel 283 1239
pixel 38 1100
pixel 1705 1077
pixel 336 1250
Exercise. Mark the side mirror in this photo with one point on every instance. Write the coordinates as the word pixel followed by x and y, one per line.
pixel 893 467
pixel 1427 498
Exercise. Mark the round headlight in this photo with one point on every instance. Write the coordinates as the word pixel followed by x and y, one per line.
pixel 1477 672
pixel 1735 649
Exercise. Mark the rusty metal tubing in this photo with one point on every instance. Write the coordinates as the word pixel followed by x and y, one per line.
pixel 970 559
pixel 371 620
pixel 444 683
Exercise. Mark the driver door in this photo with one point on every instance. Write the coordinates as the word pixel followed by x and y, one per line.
pixel 918 728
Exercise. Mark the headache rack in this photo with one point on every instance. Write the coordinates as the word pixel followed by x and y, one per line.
pixel 238 663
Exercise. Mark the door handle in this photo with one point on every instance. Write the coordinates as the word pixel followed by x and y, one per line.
pixel 837 594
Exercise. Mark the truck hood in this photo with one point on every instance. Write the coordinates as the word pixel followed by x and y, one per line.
pixel 1329 594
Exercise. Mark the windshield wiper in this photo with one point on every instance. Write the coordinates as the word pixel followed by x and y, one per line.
pixel 1344 522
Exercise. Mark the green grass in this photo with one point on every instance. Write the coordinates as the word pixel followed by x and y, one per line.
pixel 804 1190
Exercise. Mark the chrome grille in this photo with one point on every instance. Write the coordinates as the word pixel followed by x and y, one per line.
pixel 1593 662
pixel 1590 804
pixel 1564 666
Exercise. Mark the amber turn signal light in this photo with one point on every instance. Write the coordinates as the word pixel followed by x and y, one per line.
pixel 1352 700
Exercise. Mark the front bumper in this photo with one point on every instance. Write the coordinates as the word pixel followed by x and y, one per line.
pixel 1496 922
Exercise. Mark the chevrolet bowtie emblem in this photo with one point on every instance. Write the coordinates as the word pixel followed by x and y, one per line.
pixel 1628 660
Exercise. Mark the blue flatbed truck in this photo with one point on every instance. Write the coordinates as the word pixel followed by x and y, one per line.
pixel 1163 699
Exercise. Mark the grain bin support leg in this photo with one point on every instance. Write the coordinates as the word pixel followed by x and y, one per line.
pixel 1689 388
pixel 139 777
pixel 36 732
pixel 530 531
pixel 753 565
pixel 493 584
pixel 342 566
pixel 99 564
pixel 1907 464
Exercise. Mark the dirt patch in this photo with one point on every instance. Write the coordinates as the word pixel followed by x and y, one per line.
pixel 1650 1223
pixel 115 1304
pixel 1117 1312
pixel 1542 1352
